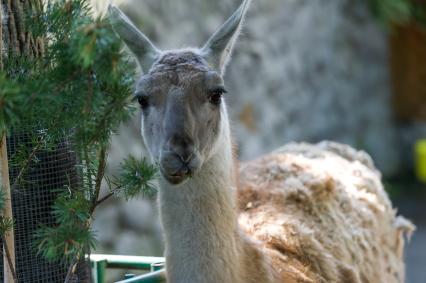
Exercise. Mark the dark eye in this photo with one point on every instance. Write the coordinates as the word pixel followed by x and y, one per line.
pixel 215 96
pixel 143 101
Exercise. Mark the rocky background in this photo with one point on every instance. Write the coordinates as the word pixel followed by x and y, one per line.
pixel 303 70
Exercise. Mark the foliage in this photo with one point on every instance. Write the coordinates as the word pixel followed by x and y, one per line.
pixel 72 236
pixel 6 224
pixel 399 11
pixel 9 103
pixel 136 174
pixel 80 89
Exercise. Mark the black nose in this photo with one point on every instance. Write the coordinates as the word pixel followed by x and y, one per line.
pixel 182 146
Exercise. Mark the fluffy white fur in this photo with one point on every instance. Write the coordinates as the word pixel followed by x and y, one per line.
pixel 203 243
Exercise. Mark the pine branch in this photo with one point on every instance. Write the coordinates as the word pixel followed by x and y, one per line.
pixel 135 178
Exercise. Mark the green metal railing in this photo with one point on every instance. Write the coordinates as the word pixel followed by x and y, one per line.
pixel 154 265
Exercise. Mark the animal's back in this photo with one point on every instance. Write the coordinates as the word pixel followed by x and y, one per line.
pixel 322 215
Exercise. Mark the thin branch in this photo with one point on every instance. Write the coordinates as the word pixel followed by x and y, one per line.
pixel 1 37
pixel 71 271
pixel 8 236
pixel 25 166
pixel 88 171
pixel 99 177
pixel 89 97
pixel 35 150
pixel 106 197
pixel 9 259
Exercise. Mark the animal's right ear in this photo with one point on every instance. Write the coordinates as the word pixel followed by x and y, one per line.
pixel 218 48
pixel 143 49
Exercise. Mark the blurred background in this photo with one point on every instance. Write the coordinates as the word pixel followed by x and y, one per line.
pixel 343 70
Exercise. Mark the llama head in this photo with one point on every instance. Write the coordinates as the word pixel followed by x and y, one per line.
pixel 180 93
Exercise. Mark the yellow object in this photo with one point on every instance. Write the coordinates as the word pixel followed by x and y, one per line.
pixel 420 151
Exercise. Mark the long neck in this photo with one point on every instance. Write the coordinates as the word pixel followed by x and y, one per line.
pixel 200 223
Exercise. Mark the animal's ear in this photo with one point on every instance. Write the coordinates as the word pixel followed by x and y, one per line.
pixel 143 49
pixel 218 48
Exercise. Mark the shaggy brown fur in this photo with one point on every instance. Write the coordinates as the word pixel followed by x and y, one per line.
pixel 322 215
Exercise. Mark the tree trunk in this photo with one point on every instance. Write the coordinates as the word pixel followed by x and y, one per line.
pixel 16 39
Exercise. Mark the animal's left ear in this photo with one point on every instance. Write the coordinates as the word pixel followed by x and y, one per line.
pixel 219 47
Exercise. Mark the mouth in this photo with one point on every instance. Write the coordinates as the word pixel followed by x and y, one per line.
pixel 177 177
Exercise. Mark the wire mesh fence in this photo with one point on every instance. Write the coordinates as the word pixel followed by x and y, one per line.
pixel 34 191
